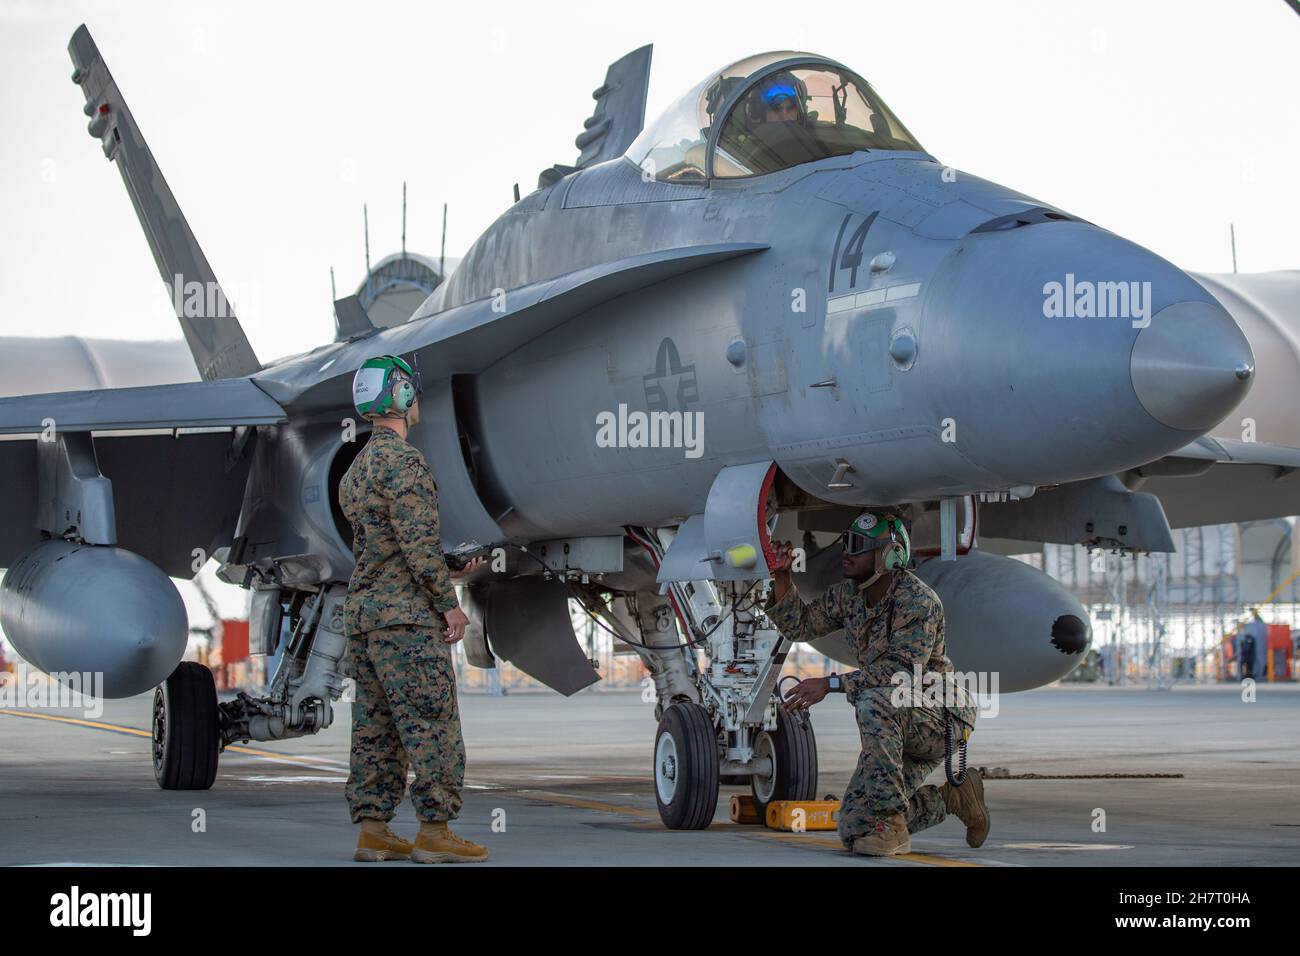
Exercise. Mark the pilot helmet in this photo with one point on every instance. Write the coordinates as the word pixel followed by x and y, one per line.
pixel 774 91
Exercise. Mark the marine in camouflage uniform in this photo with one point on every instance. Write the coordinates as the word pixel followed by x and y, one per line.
pixel 901 746
pixel 405 711
pixel 903 691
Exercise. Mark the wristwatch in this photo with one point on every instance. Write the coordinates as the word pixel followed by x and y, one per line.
pixel 836 685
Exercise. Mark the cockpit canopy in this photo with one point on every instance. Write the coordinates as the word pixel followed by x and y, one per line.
pixel 777 110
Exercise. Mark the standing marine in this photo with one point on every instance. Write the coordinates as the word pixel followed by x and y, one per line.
pixel 894 623
pixel 402 617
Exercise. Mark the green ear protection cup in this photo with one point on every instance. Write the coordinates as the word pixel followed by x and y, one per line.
pixel 896 557
pixel 403 393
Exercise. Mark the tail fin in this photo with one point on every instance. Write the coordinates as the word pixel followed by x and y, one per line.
pixel 213 333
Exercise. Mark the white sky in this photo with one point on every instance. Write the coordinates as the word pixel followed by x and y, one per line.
pixel 1162 120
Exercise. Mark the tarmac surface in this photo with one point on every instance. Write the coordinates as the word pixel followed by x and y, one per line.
pixel 567 782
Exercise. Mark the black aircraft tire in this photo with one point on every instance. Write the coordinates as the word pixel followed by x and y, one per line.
pixel 186 731
pixel 792 747
pixel 686 767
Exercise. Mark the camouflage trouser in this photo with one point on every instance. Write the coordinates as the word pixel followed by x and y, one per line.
pixel 404 716
pixel 900 748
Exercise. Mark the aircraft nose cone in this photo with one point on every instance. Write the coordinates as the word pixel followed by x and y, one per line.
pixel 1191 366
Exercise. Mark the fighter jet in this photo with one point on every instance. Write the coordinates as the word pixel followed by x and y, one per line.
pixel 758 314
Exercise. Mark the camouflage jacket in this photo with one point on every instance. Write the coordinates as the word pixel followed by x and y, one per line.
pixel 916 641
pixel 391 501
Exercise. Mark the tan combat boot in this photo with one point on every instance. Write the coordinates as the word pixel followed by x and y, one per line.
pixel 888 838
pixel 437 844
pixel 967 803
pixel 376 843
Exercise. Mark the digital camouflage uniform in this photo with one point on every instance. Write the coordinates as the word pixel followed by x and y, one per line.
pixel 405 711
pixel 900 745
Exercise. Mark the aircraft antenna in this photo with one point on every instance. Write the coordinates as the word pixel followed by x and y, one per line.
pixel 334 293
pixel 403 219
pixel 365 215
pixel 442 255
pixel 1232 234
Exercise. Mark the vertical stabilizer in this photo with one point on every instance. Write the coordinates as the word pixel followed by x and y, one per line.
pixel 213 333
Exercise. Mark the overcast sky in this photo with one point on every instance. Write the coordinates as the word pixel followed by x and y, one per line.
pixel 1162 120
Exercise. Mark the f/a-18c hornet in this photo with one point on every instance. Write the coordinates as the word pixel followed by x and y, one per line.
pixel 755 316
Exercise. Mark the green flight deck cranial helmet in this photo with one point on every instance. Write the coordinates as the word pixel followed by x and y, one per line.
pixel 385 385
pixel 880 529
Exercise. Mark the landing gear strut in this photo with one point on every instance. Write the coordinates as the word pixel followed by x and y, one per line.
pixel 186 731
pixel 720 714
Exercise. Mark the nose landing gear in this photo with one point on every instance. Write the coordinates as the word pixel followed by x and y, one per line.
pixel 686 767
pixel 791 752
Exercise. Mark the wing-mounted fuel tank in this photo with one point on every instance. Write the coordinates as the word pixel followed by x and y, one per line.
pixel 1005 617
pixel 1001 617
pixel 77 604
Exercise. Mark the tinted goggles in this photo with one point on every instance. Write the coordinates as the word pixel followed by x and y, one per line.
pixel 855 544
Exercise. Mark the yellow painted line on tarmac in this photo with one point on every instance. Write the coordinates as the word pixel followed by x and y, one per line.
pixel 137 732
pixel 581 803
pixel 97 725
pixel 939 860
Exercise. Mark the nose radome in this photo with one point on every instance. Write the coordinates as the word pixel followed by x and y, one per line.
pixel 1191 366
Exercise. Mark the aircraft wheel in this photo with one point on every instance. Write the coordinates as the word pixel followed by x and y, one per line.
pixel 792 749
pixel 686 767
pixel 186 732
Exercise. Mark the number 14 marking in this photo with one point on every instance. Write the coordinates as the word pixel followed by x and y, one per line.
pixel 852 258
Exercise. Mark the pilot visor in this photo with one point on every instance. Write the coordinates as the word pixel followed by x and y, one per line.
pixel 777 95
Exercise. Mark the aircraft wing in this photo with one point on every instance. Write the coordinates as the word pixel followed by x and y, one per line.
pixel 1210 481
pixel 173 491
pixel 216 403
pixel 1216 481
